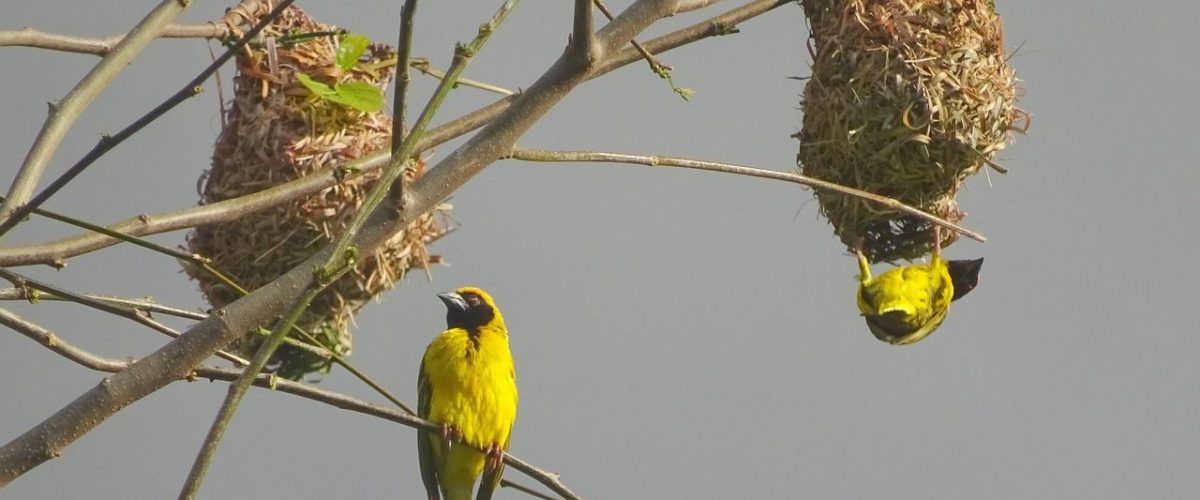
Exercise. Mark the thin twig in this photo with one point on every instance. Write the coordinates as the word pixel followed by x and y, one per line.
pixel 24 184
pixel 54 253
pixel 86 359
pixel 538 155
pixel 408 13
pixel 358 373
pixel 145 304
pixel 64 114
pixel 422 64
pixel 124 311
pixel 51 341
pixel 658 67
pixel 29 37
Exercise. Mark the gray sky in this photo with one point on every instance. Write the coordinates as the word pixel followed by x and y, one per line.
pixel 683 334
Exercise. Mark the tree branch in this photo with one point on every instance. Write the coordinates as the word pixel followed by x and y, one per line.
pixel 519 153
pixel 29 37
pixel 408 14
pixel 63 114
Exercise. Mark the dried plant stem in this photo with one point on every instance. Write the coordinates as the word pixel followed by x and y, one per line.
pixel 519 153
pixel 64 113
pixel 341 258
pixel 55 128
pixel 89 360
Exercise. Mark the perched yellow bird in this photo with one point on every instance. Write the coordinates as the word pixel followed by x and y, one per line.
pixel 468 384
pixel 906 304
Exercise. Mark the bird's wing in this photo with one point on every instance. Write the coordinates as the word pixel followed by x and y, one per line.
pixel 429 467
pixel 490 479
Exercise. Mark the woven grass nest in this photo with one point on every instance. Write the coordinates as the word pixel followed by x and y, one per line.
pixel 275 131
pixel 907 99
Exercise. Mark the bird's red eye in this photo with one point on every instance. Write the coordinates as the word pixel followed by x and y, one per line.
pixel 472 299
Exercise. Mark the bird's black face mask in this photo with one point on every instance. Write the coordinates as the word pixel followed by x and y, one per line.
pixel 467 310
pixel 964 274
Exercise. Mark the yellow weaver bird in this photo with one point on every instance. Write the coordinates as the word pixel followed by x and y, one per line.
pixel 468 385
pixel 906 304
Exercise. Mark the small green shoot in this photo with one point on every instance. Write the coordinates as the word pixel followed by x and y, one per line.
pixel 358 95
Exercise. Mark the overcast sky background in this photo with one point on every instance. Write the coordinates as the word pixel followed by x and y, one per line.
pixel 681 334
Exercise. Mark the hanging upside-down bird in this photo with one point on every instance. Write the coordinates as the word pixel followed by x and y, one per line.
pixel 468 385
pixel 906 304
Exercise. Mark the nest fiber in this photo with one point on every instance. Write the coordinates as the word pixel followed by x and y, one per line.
pixel 907 99
pixel 274 131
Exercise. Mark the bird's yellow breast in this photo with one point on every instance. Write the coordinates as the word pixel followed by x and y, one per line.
pixel 474 387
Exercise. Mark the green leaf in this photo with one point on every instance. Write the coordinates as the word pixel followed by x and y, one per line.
pixel 359 95
pixel 350 49
pixel 317 88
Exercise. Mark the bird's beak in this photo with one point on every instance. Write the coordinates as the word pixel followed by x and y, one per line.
pixel 453 301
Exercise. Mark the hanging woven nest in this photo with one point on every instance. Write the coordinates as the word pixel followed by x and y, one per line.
pixel 907 99
pixel 276 130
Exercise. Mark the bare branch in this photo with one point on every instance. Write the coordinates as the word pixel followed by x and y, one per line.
pixel 51 341
pixel 63 114
pixel 146 304
pixel 421 64
pixel 408 14
pixel 30 37
pixel 728 168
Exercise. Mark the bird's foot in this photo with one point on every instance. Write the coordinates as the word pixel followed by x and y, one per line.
pixel 937 241
pixel 450 434
pixel 864 267
pixel 494 457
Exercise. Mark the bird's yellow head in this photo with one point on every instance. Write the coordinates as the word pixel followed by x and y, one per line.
pixel 471 309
